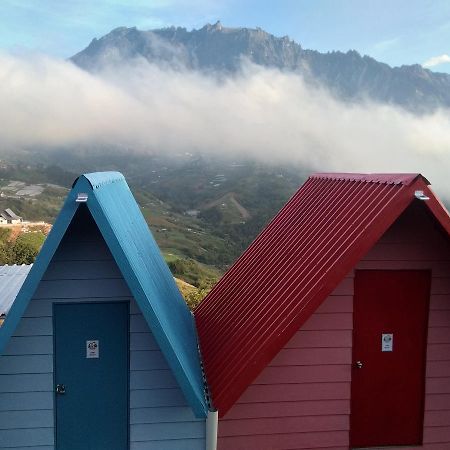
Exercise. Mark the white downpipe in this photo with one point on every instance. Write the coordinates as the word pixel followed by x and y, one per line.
pixel 212 420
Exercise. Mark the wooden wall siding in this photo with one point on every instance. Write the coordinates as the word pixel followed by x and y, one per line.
pixel 302 399
pixel 405 247
pixel 85 271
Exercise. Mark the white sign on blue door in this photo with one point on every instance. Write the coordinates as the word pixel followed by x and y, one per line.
pixel 92 349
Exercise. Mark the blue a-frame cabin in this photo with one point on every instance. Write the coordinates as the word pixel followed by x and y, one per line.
pixel 99 351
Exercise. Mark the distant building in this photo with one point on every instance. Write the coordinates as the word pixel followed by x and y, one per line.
pixel 9 216
pixel 11 280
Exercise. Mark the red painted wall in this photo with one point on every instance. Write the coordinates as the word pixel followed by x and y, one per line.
pixel 302 399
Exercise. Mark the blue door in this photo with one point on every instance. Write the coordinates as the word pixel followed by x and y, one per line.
pixel 91 376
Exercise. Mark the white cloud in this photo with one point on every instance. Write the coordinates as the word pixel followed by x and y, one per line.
pixel 385 45
pixel 436 61
pixel 261 113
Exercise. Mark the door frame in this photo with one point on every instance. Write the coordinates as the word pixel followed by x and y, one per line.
pixel 90 302
pixel 424 355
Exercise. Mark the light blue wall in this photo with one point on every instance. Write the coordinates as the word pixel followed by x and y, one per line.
pixel 83 270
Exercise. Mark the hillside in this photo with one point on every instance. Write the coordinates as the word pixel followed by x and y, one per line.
pixel 201 210
pixel 217 48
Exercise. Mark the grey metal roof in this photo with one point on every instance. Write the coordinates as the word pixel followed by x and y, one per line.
pixel 12 214
pixel 11 280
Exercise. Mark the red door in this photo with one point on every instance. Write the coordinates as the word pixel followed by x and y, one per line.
pixel 389 347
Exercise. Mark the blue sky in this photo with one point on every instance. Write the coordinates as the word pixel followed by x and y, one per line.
pixel 394 31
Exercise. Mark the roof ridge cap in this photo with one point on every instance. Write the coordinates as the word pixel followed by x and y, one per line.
pixel 405 179
pixel 99 179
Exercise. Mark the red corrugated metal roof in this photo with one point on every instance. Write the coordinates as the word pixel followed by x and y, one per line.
pixel 292 266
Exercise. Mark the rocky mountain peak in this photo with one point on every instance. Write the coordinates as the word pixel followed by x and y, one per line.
pixel 221 49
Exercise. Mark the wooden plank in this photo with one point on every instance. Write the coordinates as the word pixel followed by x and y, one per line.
pixel 439 335
pixel 26 437
pixel 285 441
pixel 36 326
pixel 26 364
pixel 78 252
pixel 138 324
pixel 82 270
pixel 321 338
pixel 312 356
pixel 26 401
pixel 143 341
pixel 438 369
pixel 134 308
pixel 152 379
pixel 440 302
pixel 43 307
pixel 284 425
pixel 29 345
pixel 436 435
pixel 82 289
pixel 147 360
pixel 38 447
pixel 437 402
pixel 162 414
pixel 288 409
pixel 345 287
pixel 438 385
pixel 437 418
pixel 438 352
pixel 26 419
pixel 337 304
pixel 440 285
pixel 168 430
pixel 304 374
pixel 26 383
pixel 439 319
pixel 412 251
pixel 296 392
pixel 439 268
pixel 185 444
pixel 343 321
pixel 156 398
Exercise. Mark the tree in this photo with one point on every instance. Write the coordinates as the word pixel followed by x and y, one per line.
pixel 26 248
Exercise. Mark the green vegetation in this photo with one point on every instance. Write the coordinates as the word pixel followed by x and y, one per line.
pixel 21 250
pixel 194 273
pixel 201 279
pixel 202 212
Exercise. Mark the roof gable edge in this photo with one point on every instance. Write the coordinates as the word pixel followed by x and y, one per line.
pixel 368 237
pixel 195 399
pixel 39 267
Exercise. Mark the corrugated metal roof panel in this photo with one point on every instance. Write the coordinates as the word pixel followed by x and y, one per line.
pixel 291 267
pixel 12 214
pixel 11 280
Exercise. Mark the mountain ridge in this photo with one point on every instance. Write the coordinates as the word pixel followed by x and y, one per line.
pixel 222 49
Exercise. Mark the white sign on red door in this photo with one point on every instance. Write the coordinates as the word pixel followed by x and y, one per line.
pixel 387 342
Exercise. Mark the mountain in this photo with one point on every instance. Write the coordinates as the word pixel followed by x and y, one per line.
pixel 220 49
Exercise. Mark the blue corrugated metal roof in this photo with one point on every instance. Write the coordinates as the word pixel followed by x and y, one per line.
pixel 11 280
pixel 129 239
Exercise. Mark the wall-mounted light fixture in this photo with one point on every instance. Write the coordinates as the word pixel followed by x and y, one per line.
pixel 81 197
pixel 421 196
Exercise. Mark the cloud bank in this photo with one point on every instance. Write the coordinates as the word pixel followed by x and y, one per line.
pixel 436 61
pixel 260 113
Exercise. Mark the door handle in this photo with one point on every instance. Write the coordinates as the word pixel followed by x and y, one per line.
pixel 359 364
pixel 60 389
